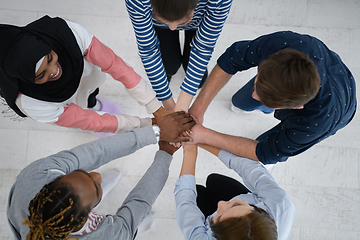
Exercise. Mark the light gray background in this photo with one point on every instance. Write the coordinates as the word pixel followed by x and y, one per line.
pixel 323 182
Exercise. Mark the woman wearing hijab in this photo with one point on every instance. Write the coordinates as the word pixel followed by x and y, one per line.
pixel 50 72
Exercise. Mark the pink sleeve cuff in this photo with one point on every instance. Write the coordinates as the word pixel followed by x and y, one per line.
pixel 102 56
pixel 86 119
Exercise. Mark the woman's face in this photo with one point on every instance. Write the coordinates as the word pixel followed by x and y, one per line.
pixel 50 69
pixel 230 209
pixel 86 185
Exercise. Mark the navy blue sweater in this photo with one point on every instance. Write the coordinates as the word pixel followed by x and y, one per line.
pixel 330 110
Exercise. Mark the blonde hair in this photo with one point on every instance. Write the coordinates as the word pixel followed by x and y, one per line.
pixel 257 225
pixel 55 212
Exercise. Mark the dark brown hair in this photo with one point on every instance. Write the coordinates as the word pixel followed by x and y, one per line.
pixel 257 225
pixel 287 79
pixel 173 10
pixel 55 212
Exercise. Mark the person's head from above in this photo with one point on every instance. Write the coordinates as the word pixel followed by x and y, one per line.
pixel 62 206
pixel 32 61
pixel 174 12
pixel 237 220
pixel 287 79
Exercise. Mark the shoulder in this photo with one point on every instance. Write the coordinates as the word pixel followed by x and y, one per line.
pixel 139 5
pixel 41 111
pixel 83 37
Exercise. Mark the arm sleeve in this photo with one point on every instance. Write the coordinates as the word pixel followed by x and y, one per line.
pixel 256 177
pixel 266 193
pixel 189 217
pixel 83 37
pixel 148 46
pixel 204 42
pixel 92 155
pixel 102 56
pixel 95 154
pixel 288 138
pixel 86 119
pixel 243 55
pixel 138 203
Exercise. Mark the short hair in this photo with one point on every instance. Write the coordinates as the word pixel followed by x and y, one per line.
pixel 287 79
pixel 173 10
pixel 55 212
pixel 257 225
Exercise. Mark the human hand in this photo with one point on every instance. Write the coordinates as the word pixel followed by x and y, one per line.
pixel 197 134
pixel 165 146
pixel 172 125
pixel 179 144
pixel 161 112
pixel 197 115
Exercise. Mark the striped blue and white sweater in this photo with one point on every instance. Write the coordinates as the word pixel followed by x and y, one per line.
pixel 208 19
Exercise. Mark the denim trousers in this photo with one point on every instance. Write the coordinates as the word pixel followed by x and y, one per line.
pixel 243 99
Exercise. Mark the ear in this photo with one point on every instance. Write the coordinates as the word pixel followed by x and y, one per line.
pixel 300 107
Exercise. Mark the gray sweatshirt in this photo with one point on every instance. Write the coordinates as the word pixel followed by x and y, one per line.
pixel 89 156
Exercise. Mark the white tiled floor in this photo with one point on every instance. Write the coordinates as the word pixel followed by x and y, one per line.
pixel 323 182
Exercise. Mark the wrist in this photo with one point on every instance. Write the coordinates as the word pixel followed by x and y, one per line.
pixel 158 112
pixel 183 101
pixel 169 104
pixel 157 131
pixel 153 121
pixel 205 136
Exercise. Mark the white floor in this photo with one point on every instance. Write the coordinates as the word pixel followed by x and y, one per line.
pixel 323 182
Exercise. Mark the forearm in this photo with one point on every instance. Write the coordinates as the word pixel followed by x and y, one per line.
pixel 95 154
pixel 203 44
pixel 169 104
pixel 215 82
pixel 189 217
pixel 183 101
pixel 149 50
pixel 240 146
pixel 189 160
pixel 138 203
pixel 145 96
pixel 102 56
pixel 153 181
pixel 86 119
pixel 210 149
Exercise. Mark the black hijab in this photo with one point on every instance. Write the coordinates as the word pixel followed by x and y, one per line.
pixel 22 47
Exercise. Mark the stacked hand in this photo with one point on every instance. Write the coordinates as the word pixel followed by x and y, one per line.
pixel 172 125
pixel 161 112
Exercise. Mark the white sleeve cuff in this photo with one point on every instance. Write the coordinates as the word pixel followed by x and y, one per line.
pixel 145 96
pixel 126 123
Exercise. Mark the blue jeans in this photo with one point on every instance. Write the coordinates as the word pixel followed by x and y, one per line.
pixel 242 99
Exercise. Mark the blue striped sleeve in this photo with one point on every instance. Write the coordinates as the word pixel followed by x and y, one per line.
pixel 148 45
pixel 204 42
pixel 202 46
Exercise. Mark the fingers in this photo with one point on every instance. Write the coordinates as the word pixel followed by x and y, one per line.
pixel 180 140
pixel 177 114
pixel 187 126
pixel 182 116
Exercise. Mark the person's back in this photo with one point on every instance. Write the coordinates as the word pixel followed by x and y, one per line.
pixel 325 108
pixel 53 196
pixel 227 209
